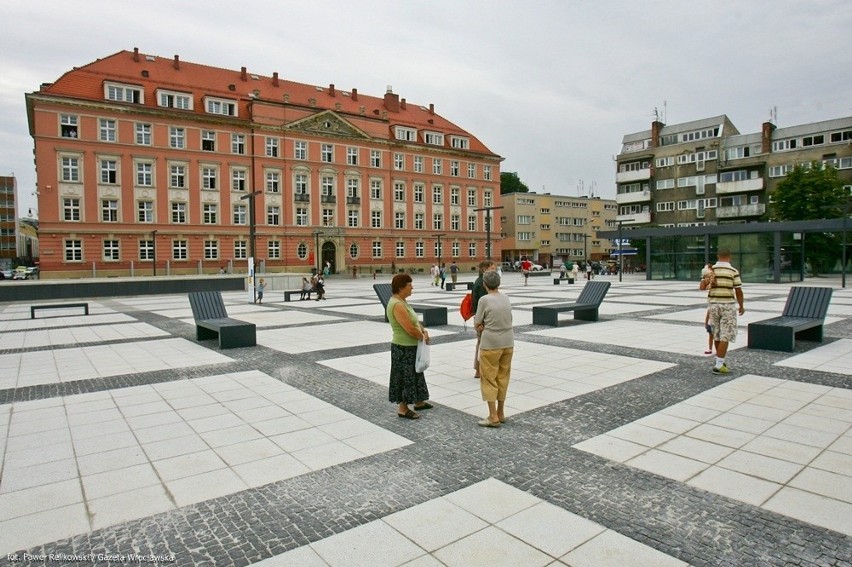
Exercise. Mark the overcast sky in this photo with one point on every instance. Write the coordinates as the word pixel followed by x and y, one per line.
pixel 552 86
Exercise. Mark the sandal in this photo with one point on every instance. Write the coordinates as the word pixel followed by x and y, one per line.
pixel 488 423
pixel 410 414
pixel 426 405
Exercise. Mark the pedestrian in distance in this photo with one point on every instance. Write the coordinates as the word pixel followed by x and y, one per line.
pixel 443 274
pixel 725 297
pixel 493 321
pixel 454 273
pixel 320 287
pixel 526 267
pixel 261 285
pixel 407 386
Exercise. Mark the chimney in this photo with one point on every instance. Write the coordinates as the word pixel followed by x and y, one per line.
pixel 275 79
pixel 402 104
pixel 177 62
pixel 136 54
pixel 766 137
pixel 354 94
pixel 243 76
pixel 431 108
pixel 656 129
pixel 391 100
pixel 331 91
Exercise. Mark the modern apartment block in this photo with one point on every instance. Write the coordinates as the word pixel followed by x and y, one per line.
pixel 8 220
pixel 556 228
pixel 141 158
pixel 706 172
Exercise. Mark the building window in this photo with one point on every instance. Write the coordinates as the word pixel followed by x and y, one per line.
pixel 143 134
pixel 211 250
pixel 455 222
pixel 376 189
pixel 209 175
pixel 300 184
pixel 486 198
pixel 177 176
pixel 238 144
pixel 220 106
pixel 109 171
pixel 71 169
pixel 71 209
pixel 106 129
pixel 454 168
pixel 124 93
pixel 399 220
pixel 471 223
pixel 175 100
pixel 146 249
pixel 353 187
pixel 405 134
pixel 352 218
pixel 471 170
pixel 418 164
pixel 459 143
pixel 399 191
pixel 375 158
pixel 327 153
pixel 455 196
pixel 327 185
pixel 419 193
pixel 377 249
pixel 300 150
pixel 400 249
pixel 352 156
pixel 437 166
pixel 144 174
pixel 210 213
pixel 238 180
pixel 145 211
pixel 471 249
pixel 437 221
pixel 301 216
pixel 302 251
pixel 177 137
pixel 180 250
pixel 240 215
pixel 439 249
pixel 419 221
pixel 73 250
pixel 455 250
pixel 419 250
pixel 272 147
pixel 273 182
pixel 240 250
pixel 179 213
pixel 328 217
pixel 437 194
pixel 471 197
pixel 273 215
pixel 433 138
pixel 68 126
pixel 109 210
pixel 208 140
pixel 486 173
pixel 111 250
pixel 376 219
pixel 353 250
pixel 273 250
pixel 398 162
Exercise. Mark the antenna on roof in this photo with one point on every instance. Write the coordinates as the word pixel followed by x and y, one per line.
pixel 773 115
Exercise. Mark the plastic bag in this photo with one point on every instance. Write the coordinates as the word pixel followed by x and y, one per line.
pixel 421 363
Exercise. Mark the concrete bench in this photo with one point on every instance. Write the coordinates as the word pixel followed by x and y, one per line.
pixel 34 308
pixel 450 286
pixel 212 321
pixel 557 281
pixel 289 294
pixel 585 308
pixel 803 318
pixel 432 315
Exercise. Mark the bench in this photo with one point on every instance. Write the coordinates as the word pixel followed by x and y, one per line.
pixel 432 315
pixel 34 308
pixel 585 308
pixel 803 318
pixel 450 286
pixel 212 321
pixel 287 294
pixel 557 281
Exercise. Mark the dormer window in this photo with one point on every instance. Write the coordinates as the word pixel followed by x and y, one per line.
pixel 459 143
pixel 124 93
pixel 220 106
pixel 433 138
pixel 406 134
pixel 171 99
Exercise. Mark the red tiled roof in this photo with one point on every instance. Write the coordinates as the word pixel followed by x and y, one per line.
pixel 154 72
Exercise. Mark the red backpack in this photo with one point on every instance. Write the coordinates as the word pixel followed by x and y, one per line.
pixel 466 307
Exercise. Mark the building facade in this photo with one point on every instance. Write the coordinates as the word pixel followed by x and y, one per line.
pixel 552 229
pixel 144 161
pixel 8 221
pixel 705 172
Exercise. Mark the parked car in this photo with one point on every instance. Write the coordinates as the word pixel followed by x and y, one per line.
pixel 5 274
pixel 537 267
pixel 25 273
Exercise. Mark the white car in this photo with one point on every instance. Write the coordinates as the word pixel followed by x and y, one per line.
pixel 537 267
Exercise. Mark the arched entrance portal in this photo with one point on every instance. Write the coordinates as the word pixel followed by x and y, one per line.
pixel 329 252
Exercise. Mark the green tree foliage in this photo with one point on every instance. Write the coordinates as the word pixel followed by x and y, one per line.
pixel 511 183
pixel 812 192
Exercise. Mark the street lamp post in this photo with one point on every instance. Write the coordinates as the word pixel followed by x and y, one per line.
pixel 154 251
pixel 440 250
pixel 252 238
pixel 620 248
pixel 488 229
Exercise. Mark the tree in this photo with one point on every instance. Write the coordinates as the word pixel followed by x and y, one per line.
pixel 809 192
pixel 511 183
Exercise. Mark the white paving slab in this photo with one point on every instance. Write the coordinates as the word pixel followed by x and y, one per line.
pixel 833 357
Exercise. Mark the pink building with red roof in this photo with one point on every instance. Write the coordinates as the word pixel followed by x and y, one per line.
pixel 133 147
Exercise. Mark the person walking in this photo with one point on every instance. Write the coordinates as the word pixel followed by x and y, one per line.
pixel 454 273
pixel 476 294
pixel 443 274
pixel 575 271
pixel 493 321
pixel 407 386
pixel 563 270
pixel 725 295
pixel 261 285
pixel 588 271
pixel 435 274
pixel 526 266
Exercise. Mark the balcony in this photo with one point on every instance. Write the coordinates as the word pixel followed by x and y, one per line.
pixel 328 199
pixel 634 197
pixel 353 200
pixel 634 218
pixel 739 186
pixel 302 198
pixel 740 211
pixel 636 175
